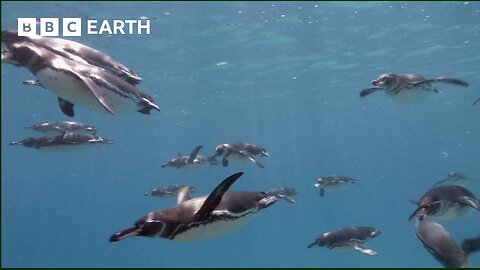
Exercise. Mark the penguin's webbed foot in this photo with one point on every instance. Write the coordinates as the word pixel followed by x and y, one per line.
pixel 224 162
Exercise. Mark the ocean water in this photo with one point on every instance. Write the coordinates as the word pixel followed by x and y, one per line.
pixel 283 75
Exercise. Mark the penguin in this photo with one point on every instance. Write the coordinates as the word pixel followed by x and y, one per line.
pixel 77 83
pixel 61 141
pixel 202 217
pixel 456 178
pixel 476 101
pixel 62 127
pixel 241 151
pixel 333 183
pixel 285 193
pixel 181 161
pixel 169 191
pixel 350 237
pixel 436 240
pixel 393 84
pixel 74 51
pixel 445 202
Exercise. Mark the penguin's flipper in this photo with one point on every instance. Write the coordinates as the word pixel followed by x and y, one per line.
pixel 66 107
pixel 476 101
pixel 361 249
pixel 470 202
pixel 94 84
pixel 183 195
pixel 322 192
pixel 286 198
pixel 194 154
pixel 33 83
pixel 368 91
pixel 471 245
pixel 251 158
pixel 132 231
pixel 215 197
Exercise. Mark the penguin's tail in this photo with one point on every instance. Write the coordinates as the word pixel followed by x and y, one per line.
pixel 132 231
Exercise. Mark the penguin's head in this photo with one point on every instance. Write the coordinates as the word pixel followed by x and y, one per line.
pixel 383 80
pixel 24 54
pixel 426 207
pixel 220 150
pixel 264 153
pixel 10 37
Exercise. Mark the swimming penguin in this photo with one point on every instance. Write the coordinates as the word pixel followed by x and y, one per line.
pixel 395 83
pixel 201 217
pixel 440 244
pixel 181 161
pixel 61 141
pixel 333 183
pixel 476 101
pixel 285 193
pixel 471 245
pixel 445 202
pixel 169 191
pixel 456 178
pixel 62 127
pixel 350 237
pixel 77 83
pixel 74 51
pixel 241 151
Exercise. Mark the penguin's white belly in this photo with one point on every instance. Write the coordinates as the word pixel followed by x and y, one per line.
pixel 76 92
pixel 336 187
pixel 407 95
pixel 238 158
pixel 453 213
pixel 214 229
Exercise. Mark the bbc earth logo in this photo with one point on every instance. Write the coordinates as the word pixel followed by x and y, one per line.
pixel 73 27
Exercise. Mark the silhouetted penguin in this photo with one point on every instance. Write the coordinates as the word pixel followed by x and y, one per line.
pixel 181 161
pixel 77 83
pixel 62 141
pixel 440 244
pixel 201 217
pixel 242 151
pixel 445 202
pixel 62 127
pixel 456 178
pixel 350 237
pixel 74 51
pixel 333 183
pixel 393 84
pixel 285 193
pixel 169 191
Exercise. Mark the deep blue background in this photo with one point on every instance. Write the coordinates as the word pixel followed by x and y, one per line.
pixel 290 81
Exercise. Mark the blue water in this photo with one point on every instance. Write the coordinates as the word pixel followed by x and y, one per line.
pixel 283 75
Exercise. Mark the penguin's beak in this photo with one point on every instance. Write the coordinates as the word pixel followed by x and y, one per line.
pixel 376 232
pixel 416 213
pixel 375 82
